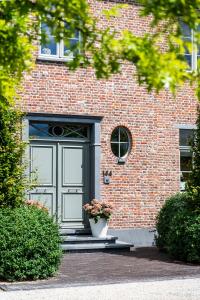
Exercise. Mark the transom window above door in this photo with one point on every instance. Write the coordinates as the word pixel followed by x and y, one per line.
pixel 58 50
pixel 44 130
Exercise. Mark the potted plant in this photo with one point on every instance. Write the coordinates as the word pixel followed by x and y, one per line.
pixel 99 213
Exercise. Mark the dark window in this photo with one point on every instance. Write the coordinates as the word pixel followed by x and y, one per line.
pixel 120 142
pixel 185 141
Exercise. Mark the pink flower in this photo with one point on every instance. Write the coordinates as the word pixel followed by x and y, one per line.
pixel 36 204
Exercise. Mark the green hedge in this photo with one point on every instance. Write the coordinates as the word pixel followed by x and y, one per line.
pixel 178 229
pixel 29 244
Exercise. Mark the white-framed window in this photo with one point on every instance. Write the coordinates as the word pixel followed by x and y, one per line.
pixel 120 143
pixel 185 139
pixel 58 51
pixel 192 50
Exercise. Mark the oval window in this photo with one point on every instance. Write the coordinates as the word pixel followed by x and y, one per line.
pixel 120 142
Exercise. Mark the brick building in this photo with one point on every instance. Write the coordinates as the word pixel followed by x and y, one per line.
pixel 105 139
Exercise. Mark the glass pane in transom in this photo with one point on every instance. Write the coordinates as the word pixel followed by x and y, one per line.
pixel 59 130
pixel 38 130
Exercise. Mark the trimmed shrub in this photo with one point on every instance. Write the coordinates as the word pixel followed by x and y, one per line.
pixel 178 229
pixel 172 206
pixel 29 244
pixel 13 183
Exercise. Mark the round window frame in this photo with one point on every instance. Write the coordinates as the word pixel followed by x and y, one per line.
pixel 121 159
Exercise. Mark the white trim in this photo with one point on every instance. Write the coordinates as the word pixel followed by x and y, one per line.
pixel 185 126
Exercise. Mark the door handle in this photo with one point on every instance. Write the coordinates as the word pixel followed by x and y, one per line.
pixel 73 190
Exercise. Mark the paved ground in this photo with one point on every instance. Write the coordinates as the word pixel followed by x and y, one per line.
pixel 79 269
pixel 183 289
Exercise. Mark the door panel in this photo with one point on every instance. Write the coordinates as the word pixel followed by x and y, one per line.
pixel 72 166
pixel 46 199
pixel 73 188
pixel 42 163
pixel 43 168
pixel 72 207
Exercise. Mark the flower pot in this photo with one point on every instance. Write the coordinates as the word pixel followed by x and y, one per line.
pixel 100 228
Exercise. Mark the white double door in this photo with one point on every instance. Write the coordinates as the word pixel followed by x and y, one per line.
pixel 61 172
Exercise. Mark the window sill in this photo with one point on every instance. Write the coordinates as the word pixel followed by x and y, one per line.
pixel 54 59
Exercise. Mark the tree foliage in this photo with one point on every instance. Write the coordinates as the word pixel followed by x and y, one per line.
pixel 12 180
pixel 104 49
pixel 193 183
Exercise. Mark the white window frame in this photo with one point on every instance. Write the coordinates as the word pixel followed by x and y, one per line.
pixel 194 52
pixel 60 52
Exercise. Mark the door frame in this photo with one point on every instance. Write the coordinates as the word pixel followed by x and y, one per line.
pixel 95 142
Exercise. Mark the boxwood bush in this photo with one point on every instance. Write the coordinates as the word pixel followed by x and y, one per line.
pixel 29 244
pixel 178 229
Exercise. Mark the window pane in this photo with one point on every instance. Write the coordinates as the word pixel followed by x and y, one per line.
pixel 115 149
pixel 115 135
pixel 188 59
pixel 187 38
pixel 76 35
pixel 124 149
pixel 123 135
pixel 186 161
pixel 186 137
pixel 69 49
pixel 186 31
pixel 38 130
pixel 185 176
pixel 76 131
pixel 49 48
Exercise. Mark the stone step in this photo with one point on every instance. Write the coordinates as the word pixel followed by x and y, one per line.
pixel 90 247
pixel 83 239
pixel 75 231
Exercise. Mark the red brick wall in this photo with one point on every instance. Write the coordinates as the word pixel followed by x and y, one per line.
pixel 151 173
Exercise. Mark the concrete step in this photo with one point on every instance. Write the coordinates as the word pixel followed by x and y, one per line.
pixel 90 247
pixel 75 231
pixel 83 239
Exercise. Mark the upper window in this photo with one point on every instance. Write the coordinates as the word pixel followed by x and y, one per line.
pixel 186 137
pixel 192 50
pixel 54 50
pixel 120 143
